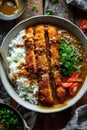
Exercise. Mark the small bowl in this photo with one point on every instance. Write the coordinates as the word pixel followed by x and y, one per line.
pixel 20 118
pixel 43 19
pixel 16 15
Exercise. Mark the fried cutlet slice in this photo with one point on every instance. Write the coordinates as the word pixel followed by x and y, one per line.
pixel 55 56
pixel 45 93
pixel 30 55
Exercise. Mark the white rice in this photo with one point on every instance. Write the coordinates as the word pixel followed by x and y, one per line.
pixel 16 56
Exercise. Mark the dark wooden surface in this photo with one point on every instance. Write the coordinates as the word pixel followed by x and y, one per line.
pixel 52 121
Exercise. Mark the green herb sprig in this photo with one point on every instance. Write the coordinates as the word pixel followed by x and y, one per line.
pixel 34 8
pixel 49 12
pixel 1 1
pixel 53 1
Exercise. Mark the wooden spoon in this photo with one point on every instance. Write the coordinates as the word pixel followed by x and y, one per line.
pixel 5 60
pixel 6 65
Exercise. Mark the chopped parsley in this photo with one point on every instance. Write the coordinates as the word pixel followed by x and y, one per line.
pixel 72 20
pixel 52 71
pixel 65 10
pixel 69 57
pixel 1 3
pixel 49 12
pixel 53 1
pixel 1 128
pixel 79 42
pixel 33 75
pixel 30 89
pixel 24 96
pixel 34 8
pixel 15 61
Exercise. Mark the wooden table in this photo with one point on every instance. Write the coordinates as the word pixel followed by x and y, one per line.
pixel 52 121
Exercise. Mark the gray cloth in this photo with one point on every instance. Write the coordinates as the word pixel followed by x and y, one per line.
pixel 82 4
pixel 79 120
pixel 29 117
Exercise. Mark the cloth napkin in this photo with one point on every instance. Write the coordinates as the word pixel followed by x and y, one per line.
pixel 79 119
pixel 82 4
pixel 28 116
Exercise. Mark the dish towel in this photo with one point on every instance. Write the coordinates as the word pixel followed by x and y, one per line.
pixel 82 4
pixel 79 120
pixel 28 116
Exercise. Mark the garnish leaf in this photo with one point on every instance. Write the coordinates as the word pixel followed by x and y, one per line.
pixel 53 1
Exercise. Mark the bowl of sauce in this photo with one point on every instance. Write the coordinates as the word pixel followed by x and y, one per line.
pixel 12 9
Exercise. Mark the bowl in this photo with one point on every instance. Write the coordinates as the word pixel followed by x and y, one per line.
pixel 8 15
pixel 42 19
pixel 9 109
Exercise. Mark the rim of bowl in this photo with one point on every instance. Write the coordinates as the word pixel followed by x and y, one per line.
pixel 26 104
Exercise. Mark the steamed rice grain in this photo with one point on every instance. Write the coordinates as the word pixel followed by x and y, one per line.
pixel 17 56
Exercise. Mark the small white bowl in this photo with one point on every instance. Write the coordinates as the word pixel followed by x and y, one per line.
pixel 53 20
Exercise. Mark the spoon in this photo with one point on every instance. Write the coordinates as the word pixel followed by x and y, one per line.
pixel 5 60
pixel 6 65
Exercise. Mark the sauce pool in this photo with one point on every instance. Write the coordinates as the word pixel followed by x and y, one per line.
pixel 9 8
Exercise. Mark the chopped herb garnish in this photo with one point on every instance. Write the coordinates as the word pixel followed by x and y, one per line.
pixel 72 20
pixel 79 67
pixel 1 128
pixel 69 57
pixel 79 42
pixel 34 8
pixel 65 10
pixel 53 1
pixel 30 89
pixel 33 75
pixel 1 3
pixel 24 96
pixel 52 71
pixel 49 12
pixel 15 61
pixel 19 55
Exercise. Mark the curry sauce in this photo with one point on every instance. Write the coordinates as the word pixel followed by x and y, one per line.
pixel 9 7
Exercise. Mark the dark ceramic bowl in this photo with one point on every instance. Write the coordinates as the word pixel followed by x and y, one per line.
pixel 21 120
pixel 16 15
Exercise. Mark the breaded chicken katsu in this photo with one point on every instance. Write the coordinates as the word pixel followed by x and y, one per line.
pixel 48 62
